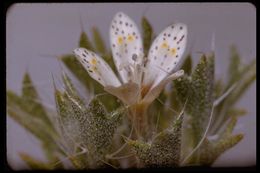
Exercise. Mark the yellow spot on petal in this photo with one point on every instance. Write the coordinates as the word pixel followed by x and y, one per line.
pixel 130 38
pixel 164 45
pixel 93 61
pixel 173 51
pixel 120 40
pixel 95 68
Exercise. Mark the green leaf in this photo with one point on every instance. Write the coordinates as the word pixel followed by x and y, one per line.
pixel 236 112
pixel 84 42
pixel 92 127
pixel 164 150
pixel 72 117
pixel 19 113
pixel 99 43
pixel 218 88
pixel 34 163
pixel 51 154
pixel 200 96
pixel 187 65
pixel 70 89
pixel 182 87
pixel 211 150
pixel 32 101
pixel 69 126
pixel 243 85
pixel 147 32
pixel 234 67
pixel 101 126
pixel 223 111
pixel 229 127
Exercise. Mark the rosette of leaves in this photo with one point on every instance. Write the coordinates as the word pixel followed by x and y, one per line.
pixel 191 122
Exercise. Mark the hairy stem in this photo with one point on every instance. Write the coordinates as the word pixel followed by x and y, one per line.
pixel 138 116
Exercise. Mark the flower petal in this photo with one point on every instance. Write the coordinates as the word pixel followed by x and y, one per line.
pixel 155 91
pixel 125 41
pixel 128 93
pixel 96 67
pixel 165 52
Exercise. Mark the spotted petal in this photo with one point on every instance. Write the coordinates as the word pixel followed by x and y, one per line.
pixel 96 67
pixel 125 41
pixel 165 53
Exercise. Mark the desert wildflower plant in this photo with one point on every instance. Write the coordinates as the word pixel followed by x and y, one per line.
pixel 133 120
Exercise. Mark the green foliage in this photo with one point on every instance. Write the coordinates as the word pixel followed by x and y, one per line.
pixel 198 91
pixel 85 134
pixel 101 128
pixel 91 127
pixel 28 111
pixel 147 32
pixel 33 163
pixel 241 77
pixel 210 150
pixel 187 65
pixel 165 148
pixel 84 42
pixel 99 43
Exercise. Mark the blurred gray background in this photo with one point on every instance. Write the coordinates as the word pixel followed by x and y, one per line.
pixel 54 29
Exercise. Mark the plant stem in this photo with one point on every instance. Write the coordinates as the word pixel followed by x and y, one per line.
pixel 138 116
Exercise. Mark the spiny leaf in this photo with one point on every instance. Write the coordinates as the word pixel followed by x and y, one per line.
pixel 236 112
pixel 102 124
pixel 84 42
pixel 210 151
pixel 99 43
pixel 200 95
pixel 34 163
pixel 31 99
pixel 249 68
pixel 69 126
pixel 100 129
pixel 35 125
pixel 72 117
pixel 93 127
pixel 187 65
pixel 164 150
pixel 222 111
pixel 70 89
pixel 182 87
pixel 147 34
pixel 230 127
pixel 28 89
pixel 218 88
pixel 243 86
pixel 51 154
pixel 234 67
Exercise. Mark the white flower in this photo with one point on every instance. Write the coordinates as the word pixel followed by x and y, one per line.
pixel 141 79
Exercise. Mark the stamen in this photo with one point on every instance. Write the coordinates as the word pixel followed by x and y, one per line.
pixel 134 57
